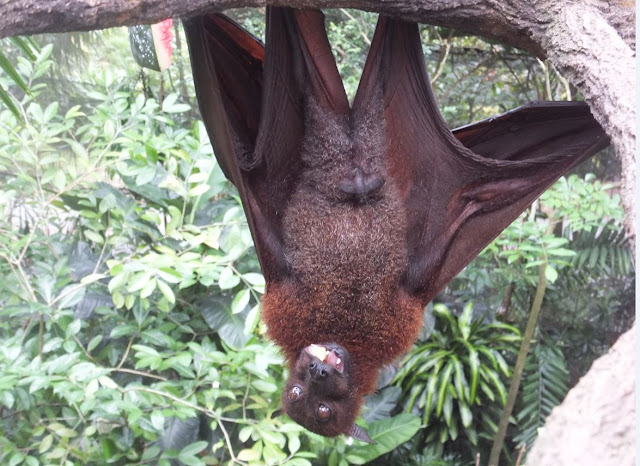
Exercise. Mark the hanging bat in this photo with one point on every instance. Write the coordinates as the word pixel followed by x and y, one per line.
pixel 361 214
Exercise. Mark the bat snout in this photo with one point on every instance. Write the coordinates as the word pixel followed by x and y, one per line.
pixel 319 371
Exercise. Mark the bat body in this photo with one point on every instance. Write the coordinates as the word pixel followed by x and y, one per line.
pixel 361 213
pixel 344 240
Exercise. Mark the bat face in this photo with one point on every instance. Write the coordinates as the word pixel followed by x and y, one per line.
pixel 319 394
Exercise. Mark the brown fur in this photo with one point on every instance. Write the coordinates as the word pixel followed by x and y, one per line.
pixel 347 258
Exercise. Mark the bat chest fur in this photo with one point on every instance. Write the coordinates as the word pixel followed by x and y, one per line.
pixel 347 259
pixel 345 245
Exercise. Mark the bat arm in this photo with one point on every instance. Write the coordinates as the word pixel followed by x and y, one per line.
pixel 269 245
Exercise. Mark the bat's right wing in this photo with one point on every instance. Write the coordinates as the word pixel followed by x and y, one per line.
pixel 252 102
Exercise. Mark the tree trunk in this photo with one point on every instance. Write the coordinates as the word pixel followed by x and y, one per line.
pixel 595 424
pixel 591 42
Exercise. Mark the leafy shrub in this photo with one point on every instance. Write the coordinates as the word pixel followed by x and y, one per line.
pixel 457 376
pixel 130 305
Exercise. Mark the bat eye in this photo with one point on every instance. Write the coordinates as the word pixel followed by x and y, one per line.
pixel 294 393
pixel 323 413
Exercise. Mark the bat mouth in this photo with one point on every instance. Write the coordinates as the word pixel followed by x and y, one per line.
pixel 331 355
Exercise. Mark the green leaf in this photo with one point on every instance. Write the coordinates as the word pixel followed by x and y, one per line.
pixel 294 443
pixel 166 291
pixel 550 273
pixel 465 414
pixel 255 279
pixel 252 320
pixel 380 405
pixel 25 46
pixel 7 99
pixel 388 434
pixel 107 382
pixel 228 279
pixel 440 310
pixel 123 330
pixel 464 321
pixel 492 376
pixel 445 380
pixel 45 443
pixel 461 384
pixel 474 367
pixel 199 190
pixel 264 386
pixel 248 455
pixel 8 68
pixel 175 219
pixel 149 288
pixel 229 326
pixel 169 105
pixel 545 383
pixel 431 395
pixel 193 449
pixel 73 328
pixel 447 409
pixel 140 281
pixel 61 430
pixel 273 453
pixel 241 301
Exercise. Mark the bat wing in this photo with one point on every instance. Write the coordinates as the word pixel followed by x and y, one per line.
pixel 462 188
pixel 252 103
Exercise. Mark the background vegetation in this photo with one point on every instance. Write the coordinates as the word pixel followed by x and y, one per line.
pixel 129 304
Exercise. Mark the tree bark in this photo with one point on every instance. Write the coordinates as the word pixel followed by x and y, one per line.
pixel 509 21
pixel 595 424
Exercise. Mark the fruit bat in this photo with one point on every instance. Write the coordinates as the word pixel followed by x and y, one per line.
pixel 361 213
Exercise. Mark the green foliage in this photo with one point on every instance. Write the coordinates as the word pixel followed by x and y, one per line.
pixel 545 383
pixel 387 433
pixel 457 376
pixel 29 49
pixel 103 248
pixel 131 299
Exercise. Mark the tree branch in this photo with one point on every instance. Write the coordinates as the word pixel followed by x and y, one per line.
pixel 499 20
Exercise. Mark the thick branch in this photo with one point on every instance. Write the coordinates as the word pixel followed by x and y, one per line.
pixel 589 52
pixel 590 41
pixel 496 19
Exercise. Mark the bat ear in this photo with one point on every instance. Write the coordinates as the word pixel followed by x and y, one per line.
pixel 278 412
pixel 359 433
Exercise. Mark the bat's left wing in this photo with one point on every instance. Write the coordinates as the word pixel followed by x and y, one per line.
pixel 461 190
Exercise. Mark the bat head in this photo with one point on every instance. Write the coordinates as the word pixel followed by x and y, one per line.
pixel 319 394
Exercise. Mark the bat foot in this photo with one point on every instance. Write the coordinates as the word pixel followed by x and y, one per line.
pixel 360 185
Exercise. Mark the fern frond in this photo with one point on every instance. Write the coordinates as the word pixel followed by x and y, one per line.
pixel 545 385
